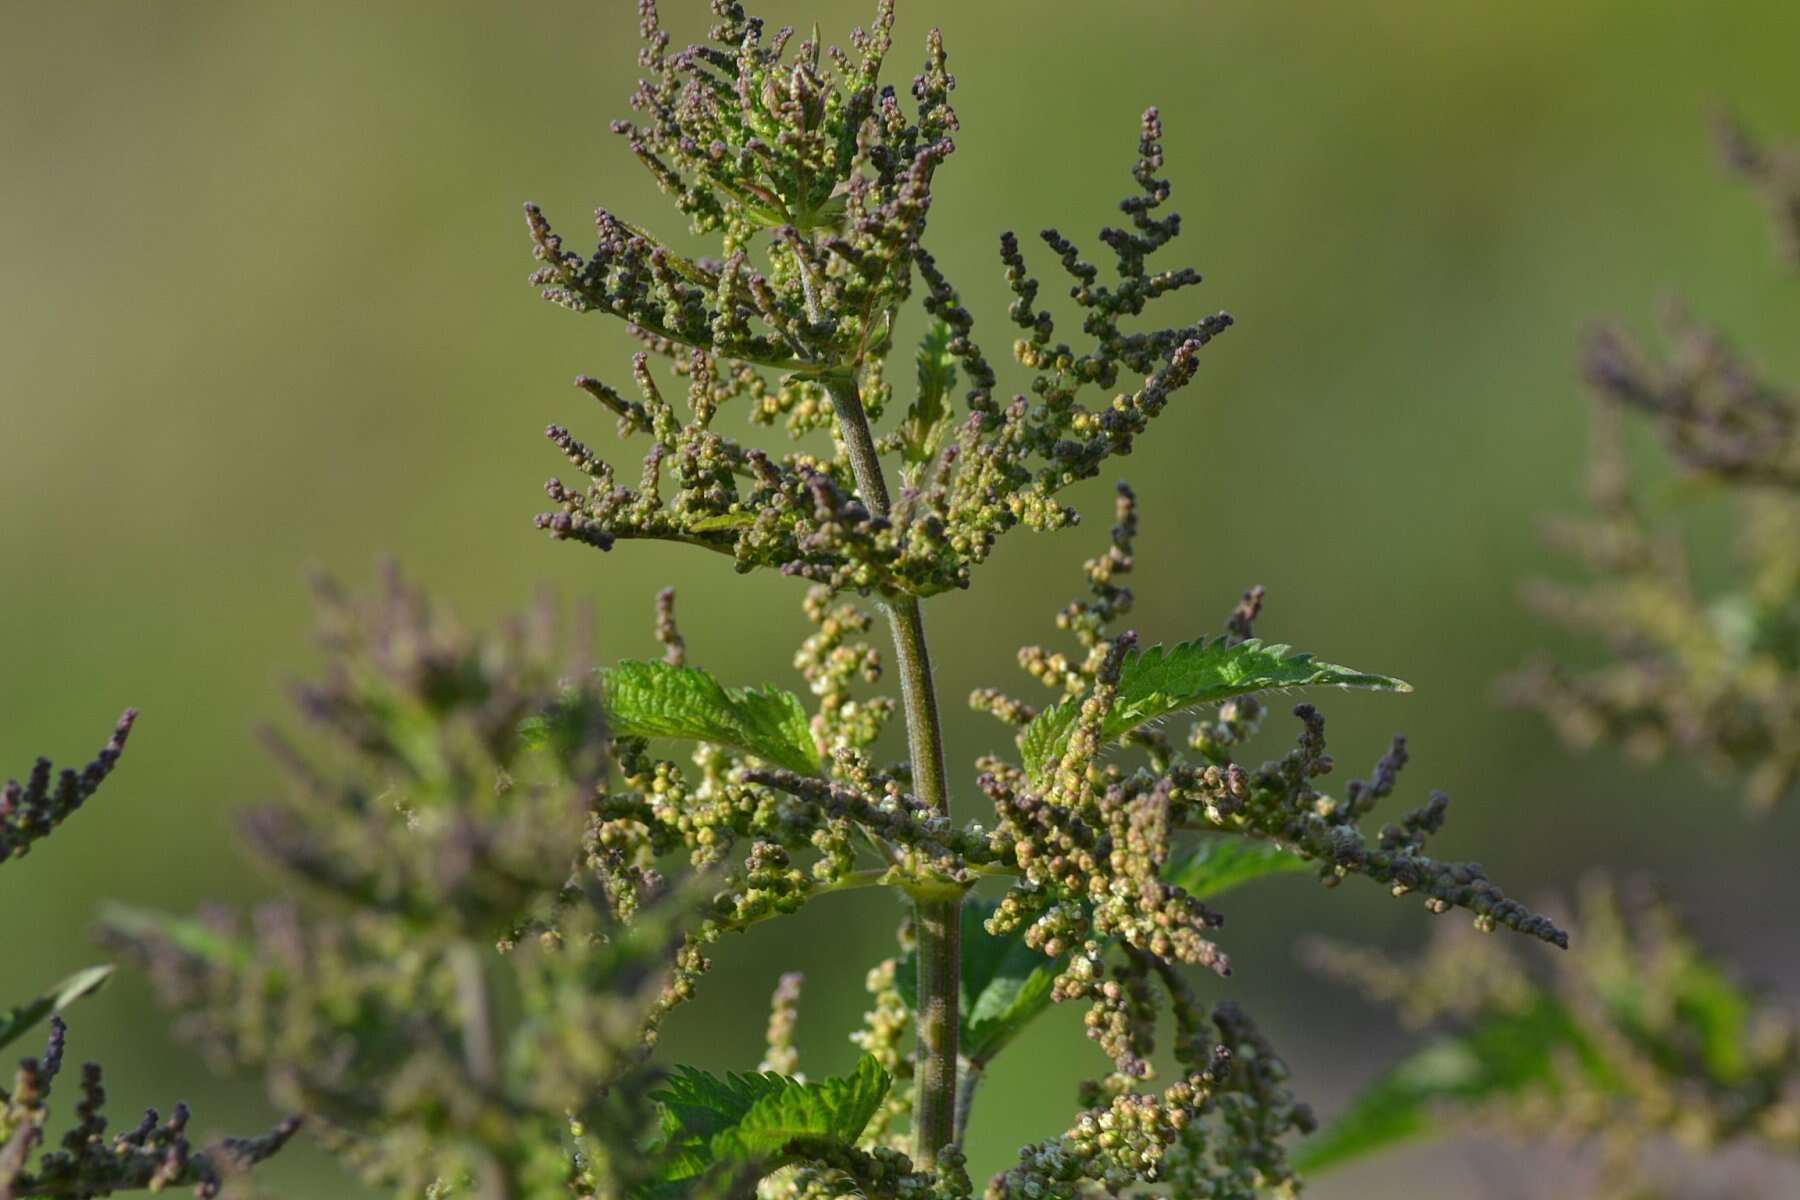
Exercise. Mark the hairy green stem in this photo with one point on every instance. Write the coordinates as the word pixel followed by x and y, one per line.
pixel 939 927
pixel 938 922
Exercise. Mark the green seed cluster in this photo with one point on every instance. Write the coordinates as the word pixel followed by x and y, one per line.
pixel 886 1034
pixel 1214 1133
pixel 475 824
pixel 831 660
pixel 769 840
pixel 317 1006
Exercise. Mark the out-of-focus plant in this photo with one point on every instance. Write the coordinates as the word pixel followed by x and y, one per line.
pixel 443 813
pixel 521 876
pixel 1638 1039
pixel 1710 672
pixel 1641 1038
pixel 155 1153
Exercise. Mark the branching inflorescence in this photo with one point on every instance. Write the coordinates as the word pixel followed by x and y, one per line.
pixel 86 1161
pixel 518 880
pixel 816 179
pixel 818 184
pixel 48 797
pixel 1711 672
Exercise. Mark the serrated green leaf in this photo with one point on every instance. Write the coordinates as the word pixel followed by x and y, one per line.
pixel 1003 984
pixel 1161 680
pixel 695 1106
pixel 1499 1057
pixel 701 1103
pixel 1220 863
pixel 15 1022
pixel 838 1108
pixel 741 1119
pixel 655 699
pixel 928 417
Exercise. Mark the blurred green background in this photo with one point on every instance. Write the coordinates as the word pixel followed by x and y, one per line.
pixel 262 282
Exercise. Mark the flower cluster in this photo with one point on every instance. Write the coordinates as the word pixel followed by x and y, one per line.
pixel 818 185
pixel 29 811
pixel 1163 1138
pixel 154 1154
pixel 1101 899
pixel 1095 842
pixel 1713 673
pixel 772 838
pixel 86 1161
pixel 1640 1039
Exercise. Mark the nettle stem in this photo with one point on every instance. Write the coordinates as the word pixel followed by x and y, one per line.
pixel 938 921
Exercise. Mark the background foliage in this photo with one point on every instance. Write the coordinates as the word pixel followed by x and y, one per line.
pixel 265 309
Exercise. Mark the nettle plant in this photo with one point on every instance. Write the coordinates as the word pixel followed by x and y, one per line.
pixel 442 807
pixel 817 182
pixel 1710 671
pixel 1642 1039
pixel 519 866
pixel 84 1161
